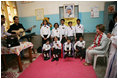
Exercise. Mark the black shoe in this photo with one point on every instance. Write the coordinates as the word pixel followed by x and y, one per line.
pixel 48 58
pixel 69 55
pixel 75 56
pixel 45 58
pixel 57 59
pixel 53 59
pixel 65 56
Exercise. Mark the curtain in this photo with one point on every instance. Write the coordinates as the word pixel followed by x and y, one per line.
pixel 9 10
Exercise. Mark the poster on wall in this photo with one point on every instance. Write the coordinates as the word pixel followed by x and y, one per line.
pixel 94 12
pixel 69 11
pixel 39 14
pixel 73 20
pixel 111 8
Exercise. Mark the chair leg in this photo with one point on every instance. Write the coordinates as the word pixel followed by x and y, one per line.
pixel 50 53
pixel 33 50
pixel 95 59
pixel 63 54
pixel 19 63
pixel 5 67
pixel 30 54
pixel 104 59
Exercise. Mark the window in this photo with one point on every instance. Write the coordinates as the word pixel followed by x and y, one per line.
pixel 9 10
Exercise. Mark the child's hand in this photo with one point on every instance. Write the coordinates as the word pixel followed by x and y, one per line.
pixel 66 38
pixel 45 38
pixel 90 48
pixel 75 38
pixel 77 50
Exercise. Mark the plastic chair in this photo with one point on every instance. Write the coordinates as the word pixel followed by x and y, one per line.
pixel 72 50
pixel 104 55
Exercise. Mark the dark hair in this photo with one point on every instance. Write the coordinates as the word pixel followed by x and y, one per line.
pixel 15 17
pixel 62 20
pixel 55 24
pixel 47 40
pixel 68 39
pixel 78 20
pixel 2 16
pixel 55 37
pixel 70 22
pixel 46 21
pixel 101 27
pixel 48 18
pixel 81 37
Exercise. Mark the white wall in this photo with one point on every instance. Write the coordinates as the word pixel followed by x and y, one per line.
pixel 52 7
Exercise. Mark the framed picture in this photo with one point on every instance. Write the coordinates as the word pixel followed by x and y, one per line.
pixel 69 11
pixel 94 12
pixel 39 14
pixel 111 8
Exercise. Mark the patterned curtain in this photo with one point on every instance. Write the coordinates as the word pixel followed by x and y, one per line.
pixel 9 10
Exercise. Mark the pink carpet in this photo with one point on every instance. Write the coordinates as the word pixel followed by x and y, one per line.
pixel 64 68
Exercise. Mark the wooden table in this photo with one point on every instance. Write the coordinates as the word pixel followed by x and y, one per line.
pixel 16 50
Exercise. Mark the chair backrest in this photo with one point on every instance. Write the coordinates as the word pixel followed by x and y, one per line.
pixel 108 45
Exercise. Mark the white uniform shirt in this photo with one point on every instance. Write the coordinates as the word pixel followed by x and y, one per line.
pixel 80 44
pixel 79 28
pixel 55 45
pixel 46 46
pixel 114 31
pixel 3 32
pixel 70 31
pixel 56 32
pixel 45 30
pixel 63 29
pixel 114 38
pixel 66 45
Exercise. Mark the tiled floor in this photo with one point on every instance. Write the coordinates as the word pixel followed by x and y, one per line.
pixel 13 70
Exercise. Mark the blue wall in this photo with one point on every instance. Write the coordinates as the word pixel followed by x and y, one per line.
pixel 88 22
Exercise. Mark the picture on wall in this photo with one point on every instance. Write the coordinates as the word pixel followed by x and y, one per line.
pixel 111 9
pixel 69 11
pixel 39 14
pixel 94 12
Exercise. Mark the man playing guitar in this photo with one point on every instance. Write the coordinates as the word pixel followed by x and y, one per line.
pixel 16 26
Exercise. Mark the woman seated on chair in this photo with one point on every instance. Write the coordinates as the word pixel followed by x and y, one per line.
pixel 99 45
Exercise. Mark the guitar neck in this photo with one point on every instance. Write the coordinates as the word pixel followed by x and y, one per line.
pixel 30 28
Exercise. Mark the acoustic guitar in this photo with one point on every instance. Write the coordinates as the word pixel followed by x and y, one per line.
pixel 21 32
